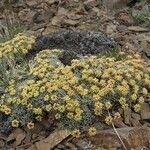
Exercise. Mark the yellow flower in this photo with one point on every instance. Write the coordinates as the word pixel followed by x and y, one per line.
pixel 144 91
pixel 92 131
pixel 109 120
pixel 141 100
pixel 29 106
pixel 98 108
pixel 133 97
pixel 94 89
pixel 138 77
pixel 70 115
pixel 108 105
pixel 37 111
pixel 96 97
pixel 13 92
pixel 125 106
pixel 118 77
pixel 36 94
pixel 15 123
pixel 122 100
pixel 132 82
pixel 30 125
pixel 76 133
pixel 46 97
pixel 54 97
pixel 102 82
pixel 39 118
pixel 77 117
pixel 137 107
pixel 57 116
pixel 123 90
pixel 48 107
pixel 7 111
pixel 42 89
pixel 117 115
pixel 147 81
pixel 61 108
pixel 136 89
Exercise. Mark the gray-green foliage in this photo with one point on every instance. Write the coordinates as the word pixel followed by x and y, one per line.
pixel 10 26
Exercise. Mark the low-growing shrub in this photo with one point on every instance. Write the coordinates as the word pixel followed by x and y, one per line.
pixel 92 89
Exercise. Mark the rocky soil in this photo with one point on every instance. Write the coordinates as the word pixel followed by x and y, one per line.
pixel 127 26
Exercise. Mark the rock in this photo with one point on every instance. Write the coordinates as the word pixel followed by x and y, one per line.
pixel 50 2
pixel 43 17
pixel 57 20
pixel 132 137
pixel 61 146
pixel 51 141
pixel 122 28
pixel 19 4
pixel 1 5
pixel 50 28
pixel 129 46
pixel 33 33
pixel 24 146
pixel 119 123
pixel 11 138
pixel 90 4
pixel 2 144
pixel 148 98
pixel 31 3
pixel 43 7
pixel 20 136
pixel 38 26
pixel 145 43
pixel 62 11
pixel 127 116
pixel 27 138
pixel 74 16
pixel 135 116
pixel 16 136
pixel 70 22
pixel 27 15
pixel 124 18
pixel 115 4
pixel 97 11
pixel 82 143
pixel 71 146
pixel 3 137
pixel 46 125
pixel 33 147
pixel 111 29
pixel 137 29
pixel 135 123
pixel 145 111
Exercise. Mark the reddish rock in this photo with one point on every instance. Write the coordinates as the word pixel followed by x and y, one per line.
pixel 90 3
pixel 145 111
pixel 135 121
pixel 26 15
pixel 132 138
pixel 51 141
pixel 119 123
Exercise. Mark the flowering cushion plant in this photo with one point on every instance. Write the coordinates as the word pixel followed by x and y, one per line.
pixel 90 89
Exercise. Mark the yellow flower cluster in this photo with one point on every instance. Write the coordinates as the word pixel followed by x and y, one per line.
pixel 20 44
pixel 78 93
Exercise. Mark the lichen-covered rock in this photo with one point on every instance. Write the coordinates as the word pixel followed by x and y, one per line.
pixel 74 44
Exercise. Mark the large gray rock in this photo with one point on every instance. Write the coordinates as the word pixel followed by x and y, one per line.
pixel 74 44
